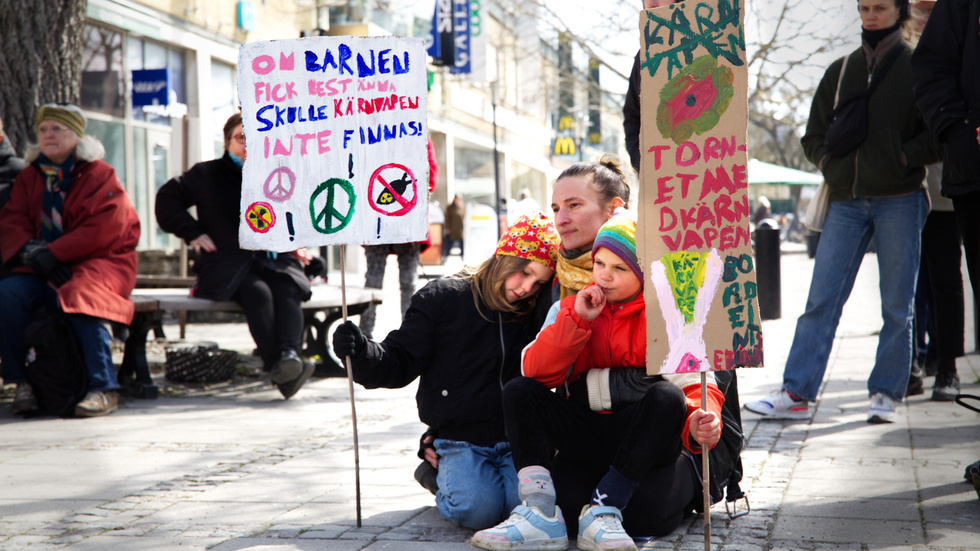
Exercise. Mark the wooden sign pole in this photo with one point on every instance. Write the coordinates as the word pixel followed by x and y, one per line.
pixel 350 388
pixel 705 486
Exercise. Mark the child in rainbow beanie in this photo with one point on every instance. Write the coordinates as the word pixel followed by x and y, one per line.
pixel 629 430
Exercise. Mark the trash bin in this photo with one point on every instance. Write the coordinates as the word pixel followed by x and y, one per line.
pixel 767 270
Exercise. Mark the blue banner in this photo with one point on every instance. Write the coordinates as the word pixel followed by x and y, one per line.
pixel 442 49
pixel 461 31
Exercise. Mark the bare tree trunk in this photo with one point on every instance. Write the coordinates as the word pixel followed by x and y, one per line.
pixel 40 60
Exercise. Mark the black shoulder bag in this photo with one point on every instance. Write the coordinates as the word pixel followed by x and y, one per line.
pixel 849 122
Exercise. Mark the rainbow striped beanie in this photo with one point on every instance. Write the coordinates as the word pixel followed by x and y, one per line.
pixel 618 235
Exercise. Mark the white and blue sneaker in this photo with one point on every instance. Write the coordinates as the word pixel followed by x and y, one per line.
pixel 527 529
pixel 882 409
pixel 601 529
pixel 780 405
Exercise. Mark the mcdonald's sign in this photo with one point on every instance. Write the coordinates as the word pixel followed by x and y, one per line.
pixel 564 146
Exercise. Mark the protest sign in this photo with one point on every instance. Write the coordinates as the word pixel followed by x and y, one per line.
pixel 336 132
pixel 695 242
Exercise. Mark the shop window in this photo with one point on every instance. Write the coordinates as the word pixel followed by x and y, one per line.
pixel 223 100
pixel 102 70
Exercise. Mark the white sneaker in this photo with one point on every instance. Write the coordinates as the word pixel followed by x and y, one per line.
pixel 882 409
pixel 601 529
pixel 528 529
pixel 780 405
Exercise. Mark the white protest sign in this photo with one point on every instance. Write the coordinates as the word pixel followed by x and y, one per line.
pixel 336 132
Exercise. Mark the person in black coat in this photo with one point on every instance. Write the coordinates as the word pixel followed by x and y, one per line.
pixel 268 286
pixel 10 165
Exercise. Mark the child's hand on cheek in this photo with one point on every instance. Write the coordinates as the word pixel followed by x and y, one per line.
pixel 589 302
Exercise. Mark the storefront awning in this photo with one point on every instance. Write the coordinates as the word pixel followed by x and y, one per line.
pixel 768 173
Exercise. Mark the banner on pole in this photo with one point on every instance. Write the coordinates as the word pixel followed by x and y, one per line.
pixel 336 133
pixel 701 295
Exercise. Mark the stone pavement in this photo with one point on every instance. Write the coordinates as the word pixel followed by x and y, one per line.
pixel 232 467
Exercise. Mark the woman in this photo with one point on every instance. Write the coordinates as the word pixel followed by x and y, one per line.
pixel 462 337
pixel 876 194
pixel 666 488
pixel 583 198
pixel 69 234
pixel 268 286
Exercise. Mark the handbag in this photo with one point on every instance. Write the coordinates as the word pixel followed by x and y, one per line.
pixel 816 211
pixel 849 121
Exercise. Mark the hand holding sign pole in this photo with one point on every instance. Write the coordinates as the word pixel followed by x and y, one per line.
pixel 694 212
pixel 337 133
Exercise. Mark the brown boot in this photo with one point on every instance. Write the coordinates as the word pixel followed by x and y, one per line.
pixel 98 402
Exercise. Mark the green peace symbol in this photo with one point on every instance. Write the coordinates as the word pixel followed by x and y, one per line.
pixel 323 221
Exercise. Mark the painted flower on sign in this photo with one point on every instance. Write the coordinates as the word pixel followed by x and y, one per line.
pixel 695 99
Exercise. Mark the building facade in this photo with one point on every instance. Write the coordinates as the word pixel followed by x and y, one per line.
pixel 159 80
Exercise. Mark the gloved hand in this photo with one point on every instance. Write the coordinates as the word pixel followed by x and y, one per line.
pixel 348 340
pixel 29 249
pixel 48 267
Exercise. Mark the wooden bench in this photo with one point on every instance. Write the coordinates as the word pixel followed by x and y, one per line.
pixel 319 313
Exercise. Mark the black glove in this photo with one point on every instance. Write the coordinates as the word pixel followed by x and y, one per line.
pixel 48 267
pixel 348 340
pixel 28 251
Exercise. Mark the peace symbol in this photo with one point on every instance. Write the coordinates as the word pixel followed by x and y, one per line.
pixel 281 191
pixel 260 217
pixel 328 219
pixel 396 182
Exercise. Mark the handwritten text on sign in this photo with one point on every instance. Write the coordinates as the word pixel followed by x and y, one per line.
pixel 323 117
pixel 694 216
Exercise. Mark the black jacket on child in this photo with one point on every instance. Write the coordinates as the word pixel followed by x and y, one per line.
pixel 462 358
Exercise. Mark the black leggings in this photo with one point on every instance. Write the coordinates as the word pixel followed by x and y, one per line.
pixel 271 302
pixel 642 441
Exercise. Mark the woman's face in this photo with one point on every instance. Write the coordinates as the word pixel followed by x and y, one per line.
pixel 577 212
pixel 878 14
pixel 236 145
pixel 56 140
pixel 527 281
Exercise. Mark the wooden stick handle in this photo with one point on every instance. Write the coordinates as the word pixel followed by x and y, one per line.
pixel 350 389
pixel 705 480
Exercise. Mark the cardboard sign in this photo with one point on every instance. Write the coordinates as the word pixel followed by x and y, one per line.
pixel 336 132
pixel 701 296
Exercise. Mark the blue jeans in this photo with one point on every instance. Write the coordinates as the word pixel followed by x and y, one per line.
pixel 21 295
pixel 895 224
pixel 477 485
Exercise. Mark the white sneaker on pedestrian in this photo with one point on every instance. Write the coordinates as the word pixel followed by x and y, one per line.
pixel 780 405
pixel 882 409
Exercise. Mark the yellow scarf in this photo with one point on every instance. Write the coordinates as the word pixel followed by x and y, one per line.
pixel 574 272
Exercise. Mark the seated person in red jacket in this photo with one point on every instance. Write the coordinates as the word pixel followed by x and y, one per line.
pixel 68 234
pixel 602 326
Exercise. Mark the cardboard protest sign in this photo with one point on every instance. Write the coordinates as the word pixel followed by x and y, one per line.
pixel 336 132
pixel 701 296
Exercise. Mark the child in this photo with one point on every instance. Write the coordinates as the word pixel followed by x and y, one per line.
pixel 613 418
pixel 462 336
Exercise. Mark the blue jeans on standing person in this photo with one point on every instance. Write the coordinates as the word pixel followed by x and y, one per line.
pixel 477 484
pixel 21 296
pixel 895 224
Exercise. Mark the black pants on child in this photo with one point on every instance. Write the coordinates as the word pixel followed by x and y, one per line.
pixel 272 305
pixel 642 441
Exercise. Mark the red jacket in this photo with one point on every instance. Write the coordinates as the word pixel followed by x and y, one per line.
pixel 101 230
pixel 616 338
